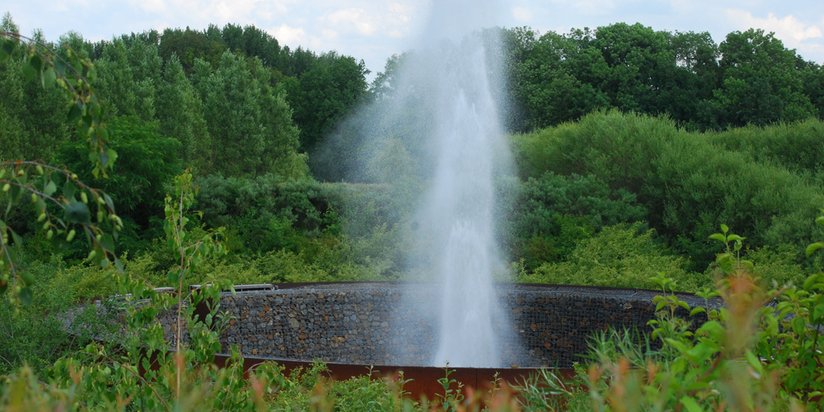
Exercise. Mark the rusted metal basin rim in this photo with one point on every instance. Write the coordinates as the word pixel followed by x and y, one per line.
pixel 536 310
pixel 420 381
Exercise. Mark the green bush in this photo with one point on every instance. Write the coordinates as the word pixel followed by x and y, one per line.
pixel 619 256
pixel 146 163
pixel 553 212
pixel 266 213
pixel 687 185
pixel 35 334
pixel 777 266
pixel 798 147
pixel 339 231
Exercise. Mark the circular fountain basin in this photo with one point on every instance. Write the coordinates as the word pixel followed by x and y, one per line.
pixel 363 324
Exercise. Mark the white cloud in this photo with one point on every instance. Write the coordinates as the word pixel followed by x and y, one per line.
pixel 788 28
pixel 213 11
pixel 292 36
pixel 328 34
pixel 682 6
pixel 66 5
pixel 587 7
pixel 522 14
pixel 151 6
pixel 796 34
pixel 355 18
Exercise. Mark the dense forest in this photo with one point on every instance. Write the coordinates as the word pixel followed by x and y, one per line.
pixel 633 147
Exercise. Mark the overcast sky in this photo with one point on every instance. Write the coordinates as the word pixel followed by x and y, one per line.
pixel 373 30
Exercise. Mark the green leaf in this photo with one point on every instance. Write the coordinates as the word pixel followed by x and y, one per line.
pixel 719 237
pixel 108 158
pixel 77 212
pixel 50 188
pixel 754 362
pixel 27 277
pixel 173 276
pixel 725 228
pixel 69 190
pixel 735 238
pixel 49 77
pixel 813 247
pixel 679 346
pixel 690 404
pixel 811 280
pixel 798 325
pixel 29 72
pixel 772 325
pixel 36 62
pixel 26 295
pixel 18 241
pixel 107 242
pixel 818 312
pixel 75 111
pixel 712 329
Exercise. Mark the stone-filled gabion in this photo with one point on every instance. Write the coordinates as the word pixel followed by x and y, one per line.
pixel 358 323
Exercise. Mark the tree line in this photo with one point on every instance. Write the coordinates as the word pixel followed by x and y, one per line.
pixel 240 103
pixel 748 78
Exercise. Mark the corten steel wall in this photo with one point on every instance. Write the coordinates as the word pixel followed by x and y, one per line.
pixel 355 323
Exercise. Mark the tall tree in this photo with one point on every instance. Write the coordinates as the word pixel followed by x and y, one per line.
pixel 696 76
pixel 760 83
pixel 545 83
pixel 32 117
pixel 324 93
pixel 190 45
pixel 813 79
pixel 128 74
pixel 641 67
pixel 231 97
pixel 180 114
pixel 249 125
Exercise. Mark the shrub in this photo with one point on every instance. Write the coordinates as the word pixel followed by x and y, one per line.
pixel 619 256
pixel 554 211
pixel 687 185
pixel 795 146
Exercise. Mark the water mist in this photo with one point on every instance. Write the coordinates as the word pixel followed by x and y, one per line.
pixel 441 111
pixel 460 204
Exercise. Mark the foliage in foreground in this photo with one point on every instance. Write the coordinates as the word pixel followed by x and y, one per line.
pixel 760 350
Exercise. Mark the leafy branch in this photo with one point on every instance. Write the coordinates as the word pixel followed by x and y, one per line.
pixel 25 182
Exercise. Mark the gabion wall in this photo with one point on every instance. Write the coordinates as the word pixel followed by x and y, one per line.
pixel 365 323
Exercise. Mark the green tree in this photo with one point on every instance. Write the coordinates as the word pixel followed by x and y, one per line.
pixel 641 66
pixel 249 123
pixel 180 114
pixel 760 82
pixel 129 72
pixel 148 161
pixel 544 82
pixel 696 77
pixel 190 45
pixel 231 103
pixel 253 42
pixel 33 117
pixel 813 80
pixel 324 93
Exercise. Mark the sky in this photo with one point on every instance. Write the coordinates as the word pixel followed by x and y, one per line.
pixel 373 30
